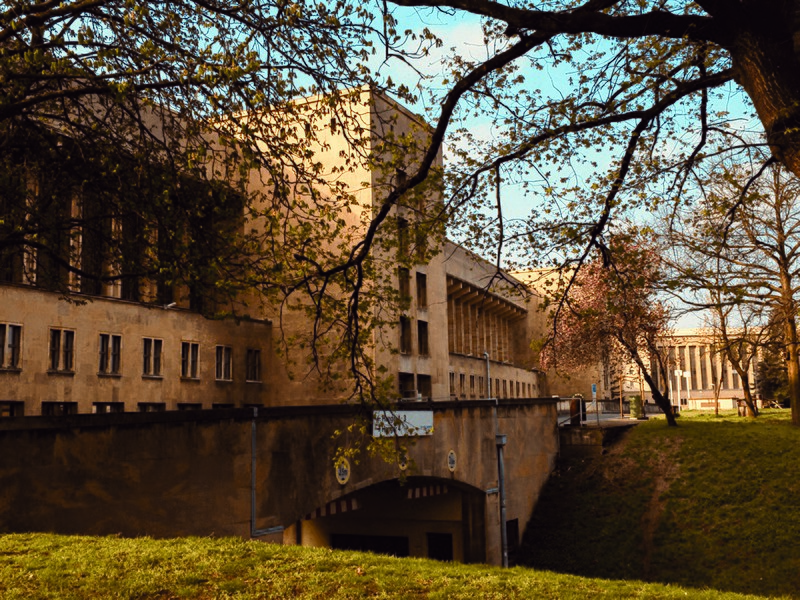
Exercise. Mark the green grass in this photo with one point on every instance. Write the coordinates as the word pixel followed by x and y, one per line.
pixel 712 503
pixel 704 510
pixel 50 566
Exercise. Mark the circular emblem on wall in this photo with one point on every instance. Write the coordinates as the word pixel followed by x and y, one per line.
pixel 451 460
pixel 342 470
pixel 402 462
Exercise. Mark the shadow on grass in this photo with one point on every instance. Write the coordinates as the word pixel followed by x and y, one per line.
pixel 712 503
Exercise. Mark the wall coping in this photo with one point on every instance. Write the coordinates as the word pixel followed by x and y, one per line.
pixel 215 415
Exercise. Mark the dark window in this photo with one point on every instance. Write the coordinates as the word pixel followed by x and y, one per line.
pixel 405 335
pixel 402 238
pixel 404 284
pixel 223 405
pixel 10 346
pixel 400 178
pixel 57 409
pixel 424 386
pixel 472 386
pixel 253 365
pixel 109 354
pixel 189 358
pixel 440 546
pixel 189 406
pixel 422 290
pixel 407 389
pixel 62 350
pixel 462 385
pixel 104 408
pixel 12 409
pixel 224 360
pixel 452 384
pixel 152 406
pixel 512 534
pixel 380 544
pixel 422 338
pixel 151 357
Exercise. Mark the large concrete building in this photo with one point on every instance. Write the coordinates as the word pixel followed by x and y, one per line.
pixel 99 352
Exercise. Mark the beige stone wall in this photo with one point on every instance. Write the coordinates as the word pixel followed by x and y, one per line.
pixel 38 312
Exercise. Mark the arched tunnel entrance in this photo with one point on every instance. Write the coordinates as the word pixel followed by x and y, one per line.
pixel 421 516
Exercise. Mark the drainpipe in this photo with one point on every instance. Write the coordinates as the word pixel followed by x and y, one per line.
pixel 253 454
pixel 500 442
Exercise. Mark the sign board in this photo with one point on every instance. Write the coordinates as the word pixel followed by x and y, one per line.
pixel 594 391
pixel 390 423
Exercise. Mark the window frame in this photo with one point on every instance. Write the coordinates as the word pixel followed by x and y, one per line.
pixel 61 350
pixel 223 363
pixel 406 344
pixel 109 355
pixel 422 290
pixel 152 357
pixel 190 360
pixel 253 365
pixel 423 338
pixel 10 347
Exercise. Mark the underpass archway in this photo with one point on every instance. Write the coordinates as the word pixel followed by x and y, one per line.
pixel 420 516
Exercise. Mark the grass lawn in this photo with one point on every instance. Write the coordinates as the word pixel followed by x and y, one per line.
pixel 711 503
pixel 49 566
pixel 704 510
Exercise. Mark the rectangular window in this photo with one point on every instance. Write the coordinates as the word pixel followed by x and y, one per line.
pixel 190 352
pixel 462 385
pixel 62 350
pixel 422 338
pixel 405 335
pixel 452 384
pixel 151 357
pixel 224 360
pixel 10 345
pixel 422 290
pixel 57 409
pixel 109 354
pixel 12 408
pixel 472 386
pixel 425 386
pixel 481 389
pixel 404 284
pixel 105 408
pixel 253 365
pixel 402 238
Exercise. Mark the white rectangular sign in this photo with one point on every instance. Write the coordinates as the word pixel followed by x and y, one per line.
pixel 390 423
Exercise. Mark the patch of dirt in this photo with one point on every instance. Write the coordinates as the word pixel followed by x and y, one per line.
pixel 664 471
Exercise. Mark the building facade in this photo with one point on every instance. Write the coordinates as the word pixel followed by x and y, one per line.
pixel 700 374
pixel 114 351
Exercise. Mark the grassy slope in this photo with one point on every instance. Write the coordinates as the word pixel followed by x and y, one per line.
pixel 711 503
pixel 49 566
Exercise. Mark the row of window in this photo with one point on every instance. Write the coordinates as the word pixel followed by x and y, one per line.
pixel 499 388
pixel 62 355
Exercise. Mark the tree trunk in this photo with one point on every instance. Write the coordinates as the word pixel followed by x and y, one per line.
pixel 767 69
pixel 792 367
pixel 663 403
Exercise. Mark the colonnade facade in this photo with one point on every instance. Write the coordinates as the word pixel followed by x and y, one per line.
pixel 703 368
pixel 479 322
